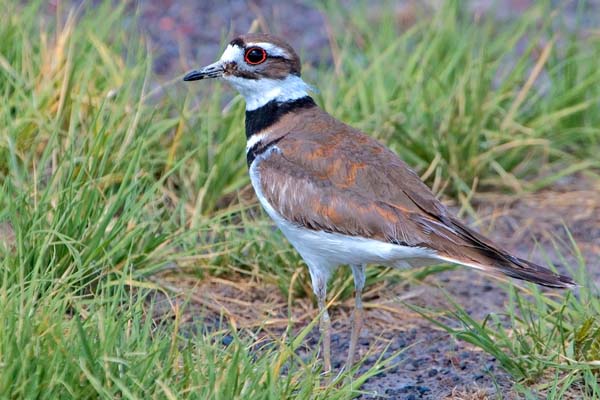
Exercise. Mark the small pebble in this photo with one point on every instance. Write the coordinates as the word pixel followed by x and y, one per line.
pixel 423 389
pixel 227 339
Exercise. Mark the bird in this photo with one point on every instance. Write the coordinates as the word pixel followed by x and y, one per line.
pixel 339 196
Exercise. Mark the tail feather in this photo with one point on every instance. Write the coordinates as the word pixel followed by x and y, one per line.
pixel 519 269
pixel 482 254
pixel 529 271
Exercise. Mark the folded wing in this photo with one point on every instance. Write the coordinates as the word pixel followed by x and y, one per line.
pixel 309 183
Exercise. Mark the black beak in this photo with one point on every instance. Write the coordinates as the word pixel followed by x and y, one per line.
pixel 214 70
pixel 193 76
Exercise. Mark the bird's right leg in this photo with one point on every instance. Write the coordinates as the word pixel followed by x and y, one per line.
pixel 319 283
pixel 325 328
pixel 358 271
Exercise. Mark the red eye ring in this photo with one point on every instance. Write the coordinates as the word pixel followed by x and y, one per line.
pixel 255 55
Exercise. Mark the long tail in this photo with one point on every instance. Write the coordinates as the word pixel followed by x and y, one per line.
pixel 482 254
pixel 519 269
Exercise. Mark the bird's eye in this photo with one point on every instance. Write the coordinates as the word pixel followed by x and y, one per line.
pixel 255 55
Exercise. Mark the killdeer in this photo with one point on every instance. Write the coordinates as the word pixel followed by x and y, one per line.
pixel 339 196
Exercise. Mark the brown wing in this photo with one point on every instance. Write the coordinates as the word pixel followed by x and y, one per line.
pixel 336 179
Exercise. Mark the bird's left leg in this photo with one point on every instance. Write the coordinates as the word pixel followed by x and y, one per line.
pixel 358 271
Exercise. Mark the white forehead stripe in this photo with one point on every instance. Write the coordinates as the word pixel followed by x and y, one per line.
pixel 270 48
pixel 232 53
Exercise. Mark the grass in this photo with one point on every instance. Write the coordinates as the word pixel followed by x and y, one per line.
pixel 105 185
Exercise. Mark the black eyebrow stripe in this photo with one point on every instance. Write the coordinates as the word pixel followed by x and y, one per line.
pixel 237 42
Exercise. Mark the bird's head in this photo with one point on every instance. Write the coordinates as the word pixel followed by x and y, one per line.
pixel 261 67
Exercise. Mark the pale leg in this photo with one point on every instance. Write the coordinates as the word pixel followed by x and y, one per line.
pixel 325 328
pixel 319 277
pixel 358 271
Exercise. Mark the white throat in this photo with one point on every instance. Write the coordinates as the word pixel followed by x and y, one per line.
pixel 259 92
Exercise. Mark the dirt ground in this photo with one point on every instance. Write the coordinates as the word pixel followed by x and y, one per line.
pixel 187 33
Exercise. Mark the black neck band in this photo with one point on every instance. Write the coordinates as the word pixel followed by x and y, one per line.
pixel 265 116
